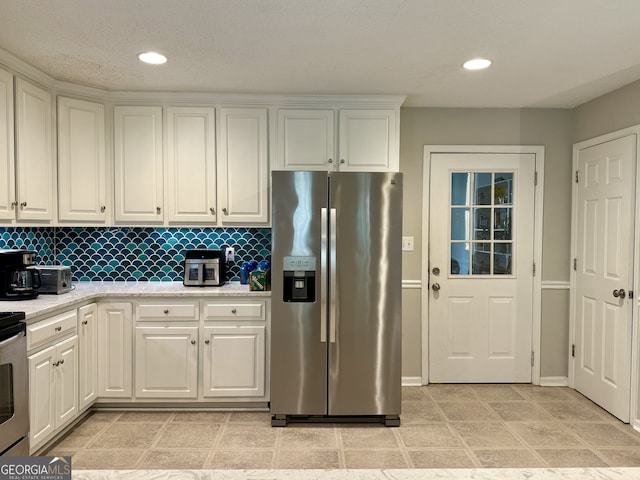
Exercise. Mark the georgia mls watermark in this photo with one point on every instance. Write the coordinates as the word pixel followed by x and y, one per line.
pixel 35 468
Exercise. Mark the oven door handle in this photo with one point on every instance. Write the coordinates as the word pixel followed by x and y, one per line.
pixel 10 340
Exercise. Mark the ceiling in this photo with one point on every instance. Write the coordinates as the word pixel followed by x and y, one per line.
pixel 546 53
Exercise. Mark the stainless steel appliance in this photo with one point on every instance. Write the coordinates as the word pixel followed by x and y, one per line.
pixel 17 281
pixel 55 279
pixel 14 386
pixel 204 268
pixel 336 297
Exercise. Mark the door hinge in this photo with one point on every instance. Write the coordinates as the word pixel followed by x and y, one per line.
pixel 535 179
pixel 575 264
pixel 533 357
pixel 577 177
pixel 534 269
pixel 573 350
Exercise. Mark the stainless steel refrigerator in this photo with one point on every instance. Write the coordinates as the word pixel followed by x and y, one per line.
pixel 336 317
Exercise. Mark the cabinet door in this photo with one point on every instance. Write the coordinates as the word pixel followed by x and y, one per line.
pixel 34 158
pixel 42 403
pixel 234 361
pixel 8 202
pixel 369 140
pixel 306 140
pixel 82 178
pixel 66 372
pixel 138 164
pixel 243 167
pixel 88 355
pixel 115 350
pixel 166 362
pixel 191 165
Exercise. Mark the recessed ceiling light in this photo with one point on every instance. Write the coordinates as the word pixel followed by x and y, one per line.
pixel 153 58
pixel 477 64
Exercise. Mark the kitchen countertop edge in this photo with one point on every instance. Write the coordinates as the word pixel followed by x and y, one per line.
pixel 88 292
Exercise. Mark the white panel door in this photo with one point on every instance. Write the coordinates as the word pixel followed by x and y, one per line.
pixel 166 362
pixel 42 401
pixel 191 164
pixel 82 170
pixel 234 361
pixel 481 261
pixel 8 202
pixel 306 140
pixel 34 156
pixel 66 381
pixel 139 189
pixel 115 349
pixel 605 226
pixel 88 355
pixel 243 166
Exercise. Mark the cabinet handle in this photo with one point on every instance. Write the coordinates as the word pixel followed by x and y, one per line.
pixel 234 311
pixel 158 210
pixel 206 342
pixel 58 329
pixel 61 361
pixel 23 204
pixel 342 160
pixel 84 322
pixel 56 363
pixel 193 342
pixel 330 160
pixel 212 210
pixel 224 210
pixel 103 208
pixel 166 312
pixel 14 205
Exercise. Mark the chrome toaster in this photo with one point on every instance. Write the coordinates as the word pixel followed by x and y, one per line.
pixel 54 279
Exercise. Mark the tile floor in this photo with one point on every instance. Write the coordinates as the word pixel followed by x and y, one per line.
pixel 443 426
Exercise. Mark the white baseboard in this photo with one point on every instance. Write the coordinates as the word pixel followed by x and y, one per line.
pixel 636 425
pixel 554 381
pixel 411 381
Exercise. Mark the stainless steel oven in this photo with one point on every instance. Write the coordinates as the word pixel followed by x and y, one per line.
pixel 14 386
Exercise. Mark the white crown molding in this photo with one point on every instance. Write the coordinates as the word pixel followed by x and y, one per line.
pixel 23 69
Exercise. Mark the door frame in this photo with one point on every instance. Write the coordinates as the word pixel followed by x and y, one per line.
pixel 635 310
pixel 538 151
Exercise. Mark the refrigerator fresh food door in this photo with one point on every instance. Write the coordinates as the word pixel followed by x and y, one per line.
pixel 298 317
pixel 366 322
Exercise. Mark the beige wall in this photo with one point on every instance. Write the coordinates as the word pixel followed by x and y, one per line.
pixel 552 128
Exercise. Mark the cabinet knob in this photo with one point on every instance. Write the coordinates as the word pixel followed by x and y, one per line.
pixel 23 204
pixel 225 211
pixel 14 205
pixel 207 342
pixel 84 322
pixel 234 311
pixel 193 342
pixel 166 312
pixel 103 208
pixel 61 361
pixel 212 210
pixel 342 160
pixel 330 160
pixel 58 329
pixel 158 210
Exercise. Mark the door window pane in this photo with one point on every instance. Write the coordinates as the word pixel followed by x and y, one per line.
pixel 460 188
pixel 502 224
pixel 502 194
pixel 502 259
pixel 482 224
pixel 459 258
pixel 459 224
pixel 482 189
pixel 481 259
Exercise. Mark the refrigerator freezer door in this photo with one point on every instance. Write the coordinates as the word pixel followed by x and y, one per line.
pixel 365 360
pixel 298 349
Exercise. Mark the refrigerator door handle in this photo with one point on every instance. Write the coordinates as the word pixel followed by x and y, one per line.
pixel 332 274
pixel 323 274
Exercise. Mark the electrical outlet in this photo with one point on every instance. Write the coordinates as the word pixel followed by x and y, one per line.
pixel 230 254
pixel 407 244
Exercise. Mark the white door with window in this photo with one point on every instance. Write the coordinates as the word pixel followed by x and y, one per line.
pixel 481 252
pixel 605 195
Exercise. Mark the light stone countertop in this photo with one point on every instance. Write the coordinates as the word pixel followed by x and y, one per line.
pixel 408 474
pixel 85 292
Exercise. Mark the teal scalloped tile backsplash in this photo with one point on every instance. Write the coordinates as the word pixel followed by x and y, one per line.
pixel 134 253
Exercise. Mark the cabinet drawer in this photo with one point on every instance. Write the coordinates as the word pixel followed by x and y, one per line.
pixel 173 311
pixel 51 328
pixel 243 311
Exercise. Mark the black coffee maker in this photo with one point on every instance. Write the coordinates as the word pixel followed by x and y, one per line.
pixel 16 281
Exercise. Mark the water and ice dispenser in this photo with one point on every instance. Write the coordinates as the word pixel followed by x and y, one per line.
pixel 299 280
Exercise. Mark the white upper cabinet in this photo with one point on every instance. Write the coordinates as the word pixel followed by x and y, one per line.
pixel 243 166
pixel 367 140
pixel 8 202
pixel 34 159
pixel 191 165
pixel 139 193
pixel 306 139
pixel 82 174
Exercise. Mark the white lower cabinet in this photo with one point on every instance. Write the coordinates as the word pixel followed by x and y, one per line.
pixel 234 361
pixel 88 354
pixel 53 390
pixel 166 362
pixel 115 349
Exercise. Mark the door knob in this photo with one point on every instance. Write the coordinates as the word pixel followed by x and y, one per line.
pixel 435 271
pixel 619 293
pixel 435 287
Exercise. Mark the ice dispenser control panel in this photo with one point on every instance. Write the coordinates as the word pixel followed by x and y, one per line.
pixel 299 279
